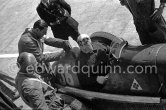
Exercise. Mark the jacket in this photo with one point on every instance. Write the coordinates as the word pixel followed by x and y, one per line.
pixel 36 93
pixel 92 65
pixel 29 43
pixel 53 10
pixel 63 24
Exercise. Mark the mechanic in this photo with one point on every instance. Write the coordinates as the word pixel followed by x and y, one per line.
pixel 32 41
pixel 36 93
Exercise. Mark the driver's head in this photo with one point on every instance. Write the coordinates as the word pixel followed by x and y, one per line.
pixel 26 60
pixel 85 43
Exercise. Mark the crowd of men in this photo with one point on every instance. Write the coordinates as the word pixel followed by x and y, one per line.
pixel 35 89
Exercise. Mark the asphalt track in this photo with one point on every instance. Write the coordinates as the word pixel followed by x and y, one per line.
pixel 92 15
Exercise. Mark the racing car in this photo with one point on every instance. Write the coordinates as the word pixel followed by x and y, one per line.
pixel 138 83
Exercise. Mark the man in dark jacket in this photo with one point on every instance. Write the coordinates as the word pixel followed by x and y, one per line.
pixel 149 23
pixel 36 93
pixel 57 14
pixel 92 60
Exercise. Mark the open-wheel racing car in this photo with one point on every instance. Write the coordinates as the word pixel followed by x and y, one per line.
pixel 138 83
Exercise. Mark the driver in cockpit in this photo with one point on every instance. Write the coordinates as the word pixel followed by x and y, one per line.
pixel 92 60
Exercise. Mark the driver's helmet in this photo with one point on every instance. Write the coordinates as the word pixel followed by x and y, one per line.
pixel 85 43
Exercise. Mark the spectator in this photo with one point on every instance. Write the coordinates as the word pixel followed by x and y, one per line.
pixel 149 23
pixel 57 14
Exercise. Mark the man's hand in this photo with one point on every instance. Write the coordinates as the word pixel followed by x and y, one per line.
pixel 45 37
pixel 158 13
pixel 62 54
pixel 101 79
pixel 67 47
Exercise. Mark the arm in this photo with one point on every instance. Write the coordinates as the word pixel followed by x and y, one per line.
pixel 158 13
pixel 49 57
pixel 26 44
pixel 59 43
pixel 65 5
pixel 33 94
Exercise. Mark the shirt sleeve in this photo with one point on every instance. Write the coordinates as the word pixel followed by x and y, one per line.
pixel 34 96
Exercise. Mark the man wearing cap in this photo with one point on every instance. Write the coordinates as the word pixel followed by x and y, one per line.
pixel 149 23
pixel 36 93
pixel 57 14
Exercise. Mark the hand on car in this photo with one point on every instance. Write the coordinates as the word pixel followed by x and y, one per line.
pixel 157 13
